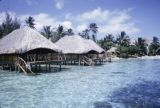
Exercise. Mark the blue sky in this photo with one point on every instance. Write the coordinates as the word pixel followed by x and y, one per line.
pixel 136 17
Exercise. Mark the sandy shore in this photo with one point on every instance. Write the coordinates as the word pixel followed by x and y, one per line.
pixel 143 57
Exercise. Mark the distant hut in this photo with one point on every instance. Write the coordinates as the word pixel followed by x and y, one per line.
pixel 77 48
pixel 27 44
pixel 111 51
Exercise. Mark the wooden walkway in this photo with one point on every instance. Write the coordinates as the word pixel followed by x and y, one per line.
pixel 32 67
pixel 84 61
pixel 38 64
pixel 26 67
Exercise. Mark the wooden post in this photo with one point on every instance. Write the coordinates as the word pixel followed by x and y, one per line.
pixel 31 66
pixel 36 67
pixel 2 66
pixel 15 67
pixel 46 67
pixel 10 68
pixel 49 67
pixel 18 69
pixel 39 67
pixel 109 59
pixel 74 62
pixel 60 67
pixel 79 61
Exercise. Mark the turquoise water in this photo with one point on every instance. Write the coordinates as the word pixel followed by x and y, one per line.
pixel 133 83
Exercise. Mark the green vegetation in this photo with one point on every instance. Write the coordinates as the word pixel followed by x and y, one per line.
pixel 92 29
pixel 8 25
pixel 69 32
pixel 107 42
pixel 47 32
pixel 127 49
pixel 30 22
pixel 154 46
pixel 85 34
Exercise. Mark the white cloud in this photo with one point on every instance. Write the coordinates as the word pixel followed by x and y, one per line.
pixel 108 21
pixel 44 19
pixel 3 15
pixel 67 24
pixel 81 27
pixel 96 15
pixel 41 20
pixel 59 4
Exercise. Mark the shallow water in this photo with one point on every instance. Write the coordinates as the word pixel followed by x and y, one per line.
pixel 132 83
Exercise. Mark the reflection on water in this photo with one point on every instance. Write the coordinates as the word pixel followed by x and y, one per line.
pixel 121 84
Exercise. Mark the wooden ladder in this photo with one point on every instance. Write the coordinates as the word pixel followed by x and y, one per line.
pixel 20 63
pixel 88 61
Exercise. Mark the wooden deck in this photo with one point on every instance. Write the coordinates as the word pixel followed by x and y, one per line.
pixel 34 64
pixel 28 67
pixel 84 61
pixel 48 64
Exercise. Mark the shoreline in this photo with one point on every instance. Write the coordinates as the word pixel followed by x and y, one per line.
pixel 142 57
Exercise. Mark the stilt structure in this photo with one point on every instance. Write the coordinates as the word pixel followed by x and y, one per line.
pixel 25 49
pixel 78 51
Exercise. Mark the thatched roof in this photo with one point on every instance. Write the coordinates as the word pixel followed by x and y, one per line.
pixel 23 40
pixel 112 50
pixel 77 45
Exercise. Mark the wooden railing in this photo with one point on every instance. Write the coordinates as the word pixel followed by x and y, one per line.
pixel 45 57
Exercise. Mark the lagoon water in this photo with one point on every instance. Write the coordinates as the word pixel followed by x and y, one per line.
pixel 132 83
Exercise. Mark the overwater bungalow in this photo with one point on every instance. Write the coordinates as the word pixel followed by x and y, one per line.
pixel 80 51
pixel 26 48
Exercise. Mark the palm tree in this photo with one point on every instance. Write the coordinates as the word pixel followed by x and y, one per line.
pixel 142 46
pixel 30 22
pixel 8 25
pixel 85 34
pixel 69 32
pixel 154 46
pixel 47 32
pixel 60 31
pixel 94 28
pixel 108 41
pixel 109 38
pixel 123 39
pixel 155 39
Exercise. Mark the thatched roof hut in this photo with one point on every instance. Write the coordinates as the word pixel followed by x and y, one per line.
pixel 112 50
pixel 78 45
pixel 23 40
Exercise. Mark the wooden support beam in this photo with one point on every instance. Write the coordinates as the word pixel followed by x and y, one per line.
pixel 60 67
pixel 10 68
pixel 46 67
pixel 49 67
pixel 39 67
pixel 2 67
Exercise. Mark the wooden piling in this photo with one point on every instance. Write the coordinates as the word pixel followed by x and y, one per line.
pixel 46 67
pixel 49 67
